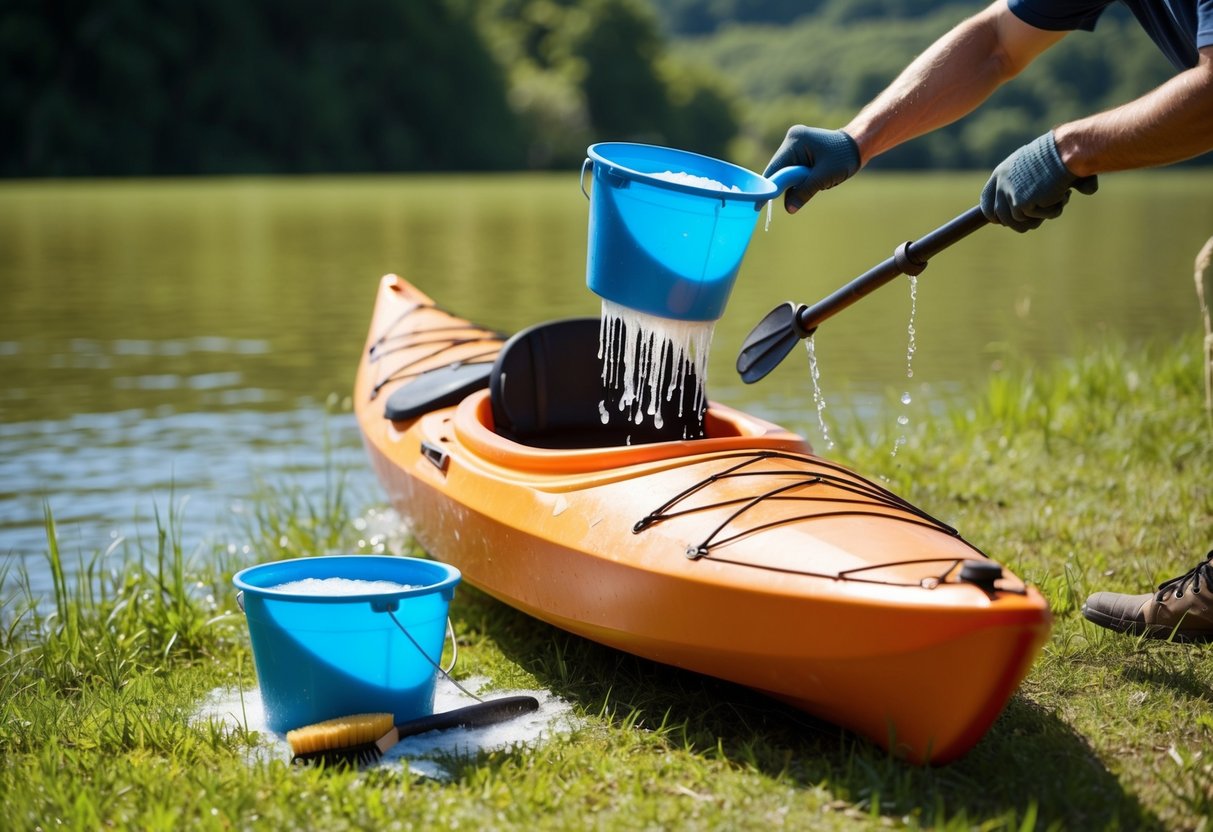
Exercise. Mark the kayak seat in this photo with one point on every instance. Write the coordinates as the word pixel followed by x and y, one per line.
pixel 441 387
pixel 546 391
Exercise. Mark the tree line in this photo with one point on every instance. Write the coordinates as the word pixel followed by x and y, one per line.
pixel 136 87
pixel 141 87
pixel 144 87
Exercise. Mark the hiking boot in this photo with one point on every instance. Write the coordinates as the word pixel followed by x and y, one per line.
pixel 1182 606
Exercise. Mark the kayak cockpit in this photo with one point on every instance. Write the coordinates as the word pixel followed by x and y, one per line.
pixel 548 390
pixel 726 430
pixel 538 402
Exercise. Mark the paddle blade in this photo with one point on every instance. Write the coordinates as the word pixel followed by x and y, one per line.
pixel 769 342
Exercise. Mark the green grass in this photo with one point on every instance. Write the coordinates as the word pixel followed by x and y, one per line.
pixel 1093 474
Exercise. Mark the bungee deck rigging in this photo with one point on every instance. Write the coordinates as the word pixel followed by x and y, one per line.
pixel 812 475
pixel 391 341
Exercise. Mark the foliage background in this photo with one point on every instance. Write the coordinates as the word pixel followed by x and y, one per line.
pixel 137 87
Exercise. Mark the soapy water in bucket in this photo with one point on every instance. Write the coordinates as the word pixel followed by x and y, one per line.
pixel 705 182
pixel 685 178
pixel 648 359
pixel 333 587
pixel 336 642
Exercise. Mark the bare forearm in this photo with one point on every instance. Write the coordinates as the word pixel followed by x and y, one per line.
pixel 1169 124
pixel 949 80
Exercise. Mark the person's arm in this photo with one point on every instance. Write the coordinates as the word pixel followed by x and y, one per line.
pixel 949 80
pixel 1171 123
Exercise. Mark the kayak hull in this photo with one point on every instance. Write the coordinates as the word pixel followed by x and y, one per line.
pixel 741 556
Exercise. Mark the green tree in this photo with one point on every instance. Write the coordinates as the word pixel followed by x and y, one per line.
pixel 620 44
pixel 116 87
pixel 703 115
pixel 582 71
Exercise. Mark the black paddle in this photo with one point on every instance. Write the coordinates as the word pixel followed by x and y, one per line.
pixel 776 334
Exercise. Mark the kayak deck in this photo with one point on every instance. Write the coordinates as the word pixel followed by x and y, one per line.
pixel 740 555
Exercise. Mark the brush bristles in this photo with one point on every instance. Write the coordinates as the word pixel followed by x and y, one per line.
pixel 343 732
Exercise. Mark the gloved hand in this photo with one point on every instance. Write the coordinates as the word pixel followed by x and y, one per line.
pixel 1031 185
pixel 831 155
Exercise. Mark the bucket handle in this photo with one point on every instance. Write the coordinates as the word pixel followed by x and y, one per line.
pixel 450 633
pixel 615 180
pixel 454 653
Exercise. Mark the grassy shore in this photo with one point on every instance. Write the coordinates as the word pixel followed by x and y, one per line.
pixel 1094 474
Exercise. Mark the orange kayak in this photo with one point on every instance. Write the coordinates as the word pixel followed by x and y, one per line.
pixel 738 554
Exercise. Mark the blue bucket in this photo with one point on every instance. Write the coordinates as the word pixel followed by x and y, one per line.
pixel 671 249
pixel 323 656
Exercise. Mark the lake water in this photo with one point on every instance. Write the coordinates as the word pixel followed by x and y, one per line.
pixel 177 343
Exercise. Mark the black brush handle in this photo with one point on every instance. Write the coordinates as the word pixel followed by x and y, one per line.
pixel 470 716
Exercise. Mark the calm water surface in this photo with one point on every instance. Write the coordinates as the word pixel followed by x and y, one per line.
pixel 179 343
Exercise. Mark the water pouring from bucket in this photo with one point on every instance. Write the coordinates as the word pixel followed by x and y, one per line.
pixel 671 246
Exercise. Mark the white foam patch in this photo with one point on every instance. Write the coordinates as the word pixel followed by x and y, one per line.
pixel 426 754
pixel 238 710
pixel 684 178
pixel 330 587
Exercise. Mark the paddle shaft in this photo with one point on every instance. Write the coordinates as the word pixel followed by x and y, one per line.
pixel 910 258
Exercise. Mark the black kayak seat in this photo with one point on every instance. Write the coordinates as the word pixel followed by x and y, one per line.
pixel 546 391
pixel 441 387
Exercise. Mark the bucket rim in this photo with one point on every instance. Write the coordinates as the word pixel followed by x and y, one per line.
pixel 597 152
pixel 449 577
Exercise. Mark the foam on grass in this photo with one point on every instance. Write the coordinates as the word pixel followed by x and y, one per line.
pixel 425 754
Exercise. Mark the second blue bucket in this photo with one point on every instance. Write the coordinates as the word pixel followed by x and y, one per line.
pixel 323 656
pixel 671 248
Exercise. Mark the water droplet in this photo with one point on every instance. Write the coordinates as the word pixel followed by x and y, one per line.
pixel 818 399
pixel 911 346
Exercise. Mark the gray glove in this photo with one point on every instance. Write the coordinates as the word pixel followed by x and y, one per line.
pixel 831 156
pixel 1031 185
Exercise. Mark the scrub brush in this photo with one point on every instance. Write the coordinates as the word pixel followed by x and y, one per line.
pixel 364 738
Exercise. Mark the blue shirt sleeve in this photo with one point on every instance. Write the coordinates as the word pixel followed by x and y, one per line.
pixel 1178 27
pixel 1060 15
